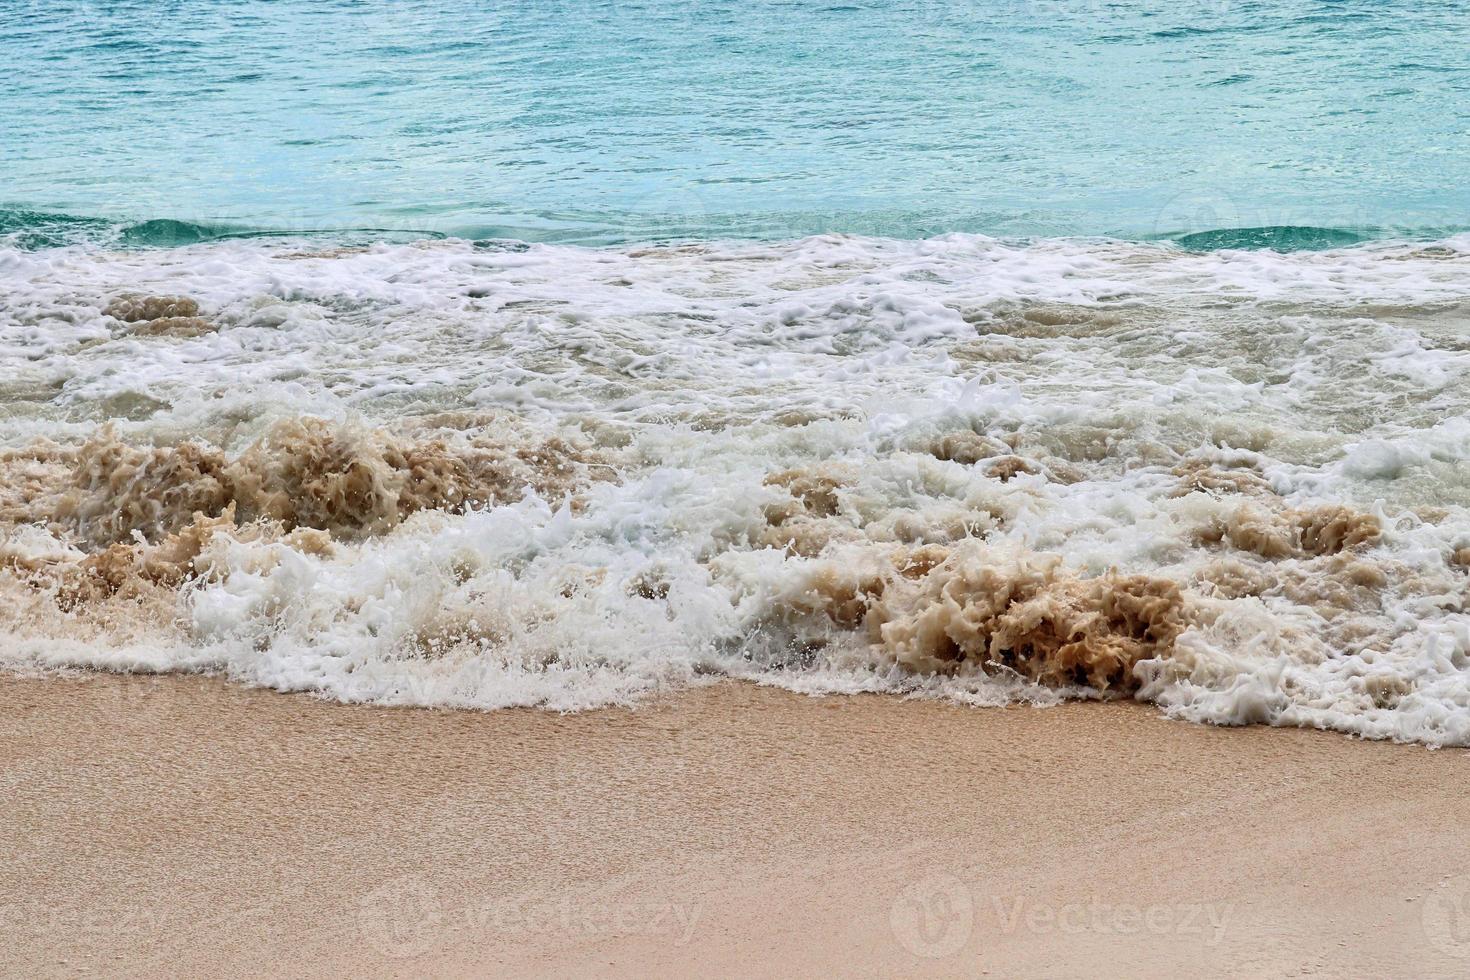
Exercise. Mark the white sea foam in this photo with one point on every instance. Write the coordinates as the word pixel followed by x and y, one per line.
pixel 761 435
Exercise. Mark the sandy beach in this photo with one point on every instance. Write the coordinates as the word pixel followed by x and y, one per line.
pixel 727 489
pixel 177 825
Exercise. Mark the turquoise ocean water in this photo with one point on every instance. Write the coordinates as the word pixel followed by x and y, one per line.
pixel 1002 351
pixel 598 121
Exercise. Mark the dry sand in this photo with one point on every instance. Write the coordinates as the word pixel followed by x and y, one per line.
pixel 182 825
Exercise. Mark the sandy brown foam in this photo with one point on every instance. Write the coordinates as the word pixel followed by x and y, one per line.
pixel 174 316
pixel 1291 532
pixel 999 458
pixel 1025 613
pixel 131 523
pixel 946 605
pixel 924 588
pixel 308 473
pixel 809 517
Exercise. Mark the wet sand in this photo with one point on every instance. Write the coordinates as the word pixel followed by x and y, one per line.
pixel 182 825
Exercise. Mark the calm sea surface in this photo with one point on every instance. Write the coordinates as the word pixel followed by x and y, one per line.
pixel 603 121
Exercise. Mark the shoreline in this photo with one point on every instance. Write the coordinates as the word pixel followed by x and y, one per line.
pixel 171 823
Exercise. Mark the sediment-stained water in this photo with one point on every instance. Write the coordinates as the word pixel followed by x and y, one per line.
pixel 1232 483
pixel 566 354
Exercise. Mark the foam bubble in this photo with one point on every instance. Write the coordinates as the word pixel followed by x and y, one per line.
pixel 1232 484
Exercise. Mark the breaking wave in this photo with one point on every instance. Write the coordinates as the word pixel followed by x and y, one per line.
pixel 1232 483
